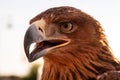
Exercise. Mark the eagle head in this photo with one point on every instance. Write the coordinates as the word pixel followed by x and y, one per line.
pixel 57 29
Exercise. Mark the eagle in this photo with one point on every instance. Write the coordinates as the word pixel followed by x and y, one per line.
pixel 72 44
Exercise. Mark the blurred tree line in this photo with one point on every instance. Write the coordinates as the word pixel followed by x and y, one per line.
pixel 31 76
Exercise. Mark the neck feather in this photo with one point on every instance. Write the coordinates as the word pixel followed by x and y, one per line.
pixel 79 63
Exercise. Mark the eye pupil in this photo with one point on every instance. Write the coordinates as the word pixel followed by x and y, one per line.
pixel 66 25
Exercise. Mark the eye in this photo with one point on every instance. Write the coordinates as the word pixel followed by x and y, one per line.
pixel 66 27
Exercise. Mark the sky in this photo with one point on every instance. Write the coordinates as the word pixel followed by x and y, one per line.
pixel 14 21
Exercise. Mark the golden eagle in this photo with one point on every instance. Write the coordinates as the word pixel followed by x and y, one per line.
pixel 72 44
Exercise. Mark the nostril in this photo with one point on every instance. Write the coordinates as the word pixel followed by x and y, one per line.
pixel 40 29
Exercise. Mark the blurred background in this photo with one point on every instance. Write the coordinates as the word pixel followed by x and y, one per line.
pixel 14 21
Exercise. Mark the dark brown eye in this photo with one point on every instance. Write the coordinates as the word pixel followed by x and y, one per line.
pixel 66 27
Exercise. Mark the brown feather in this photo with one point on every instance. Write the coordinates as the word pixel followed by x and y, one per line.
pixel 87 56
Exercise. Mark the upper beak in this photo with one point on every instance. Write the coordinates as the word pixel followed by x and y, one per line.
pixel 42 43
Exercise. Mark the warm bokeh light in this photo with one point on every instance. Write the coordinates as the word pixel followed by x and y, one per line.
pixel 14 20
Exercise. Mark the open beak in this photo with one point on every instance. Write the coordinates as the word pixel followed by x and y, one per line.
pixel 36 44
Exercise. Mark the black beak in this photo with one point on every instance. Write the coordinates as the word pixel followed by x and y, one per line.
pixel 31 36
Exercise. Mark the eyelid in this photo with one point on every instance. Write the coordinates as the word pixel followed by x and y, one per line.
pixel 63 22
